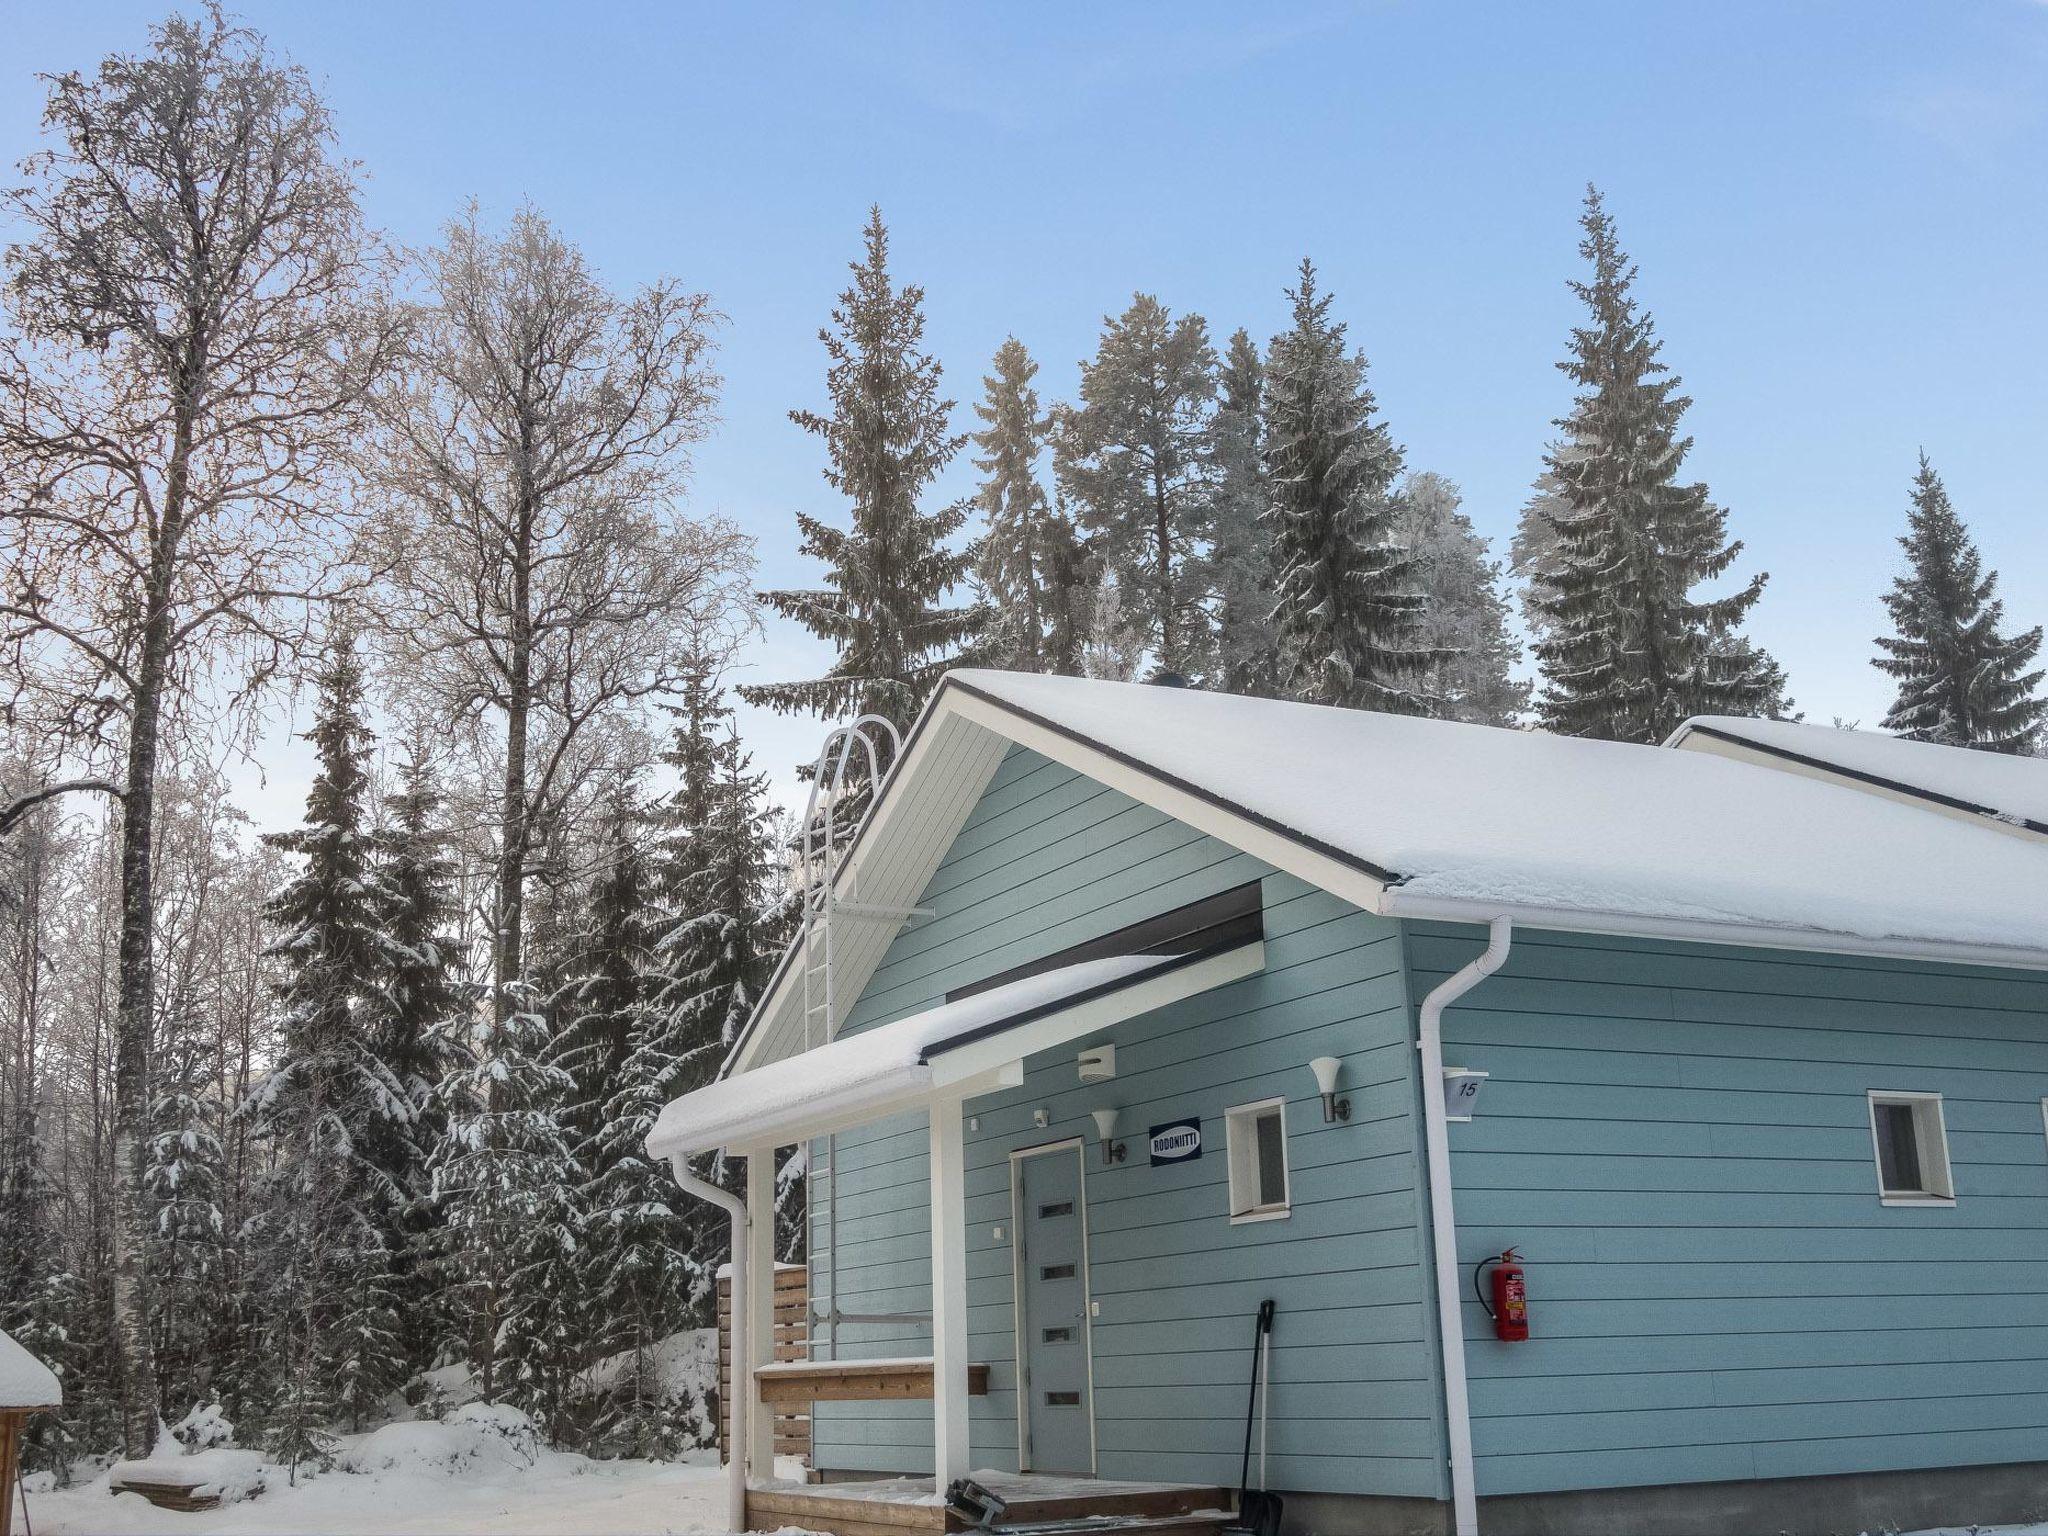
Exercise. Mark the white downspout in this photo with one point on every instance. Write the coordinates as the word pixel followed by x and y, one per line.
pixel 737 1393
pixel 1443 1221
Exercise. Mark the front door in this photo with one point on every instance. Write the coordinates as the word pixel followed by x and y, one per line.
pixel 1057 1420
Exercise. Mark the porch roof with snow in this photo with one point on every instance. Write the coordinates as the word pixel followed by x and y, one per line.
pixel 1998 786
pixel 1439 820
pixel 964 1043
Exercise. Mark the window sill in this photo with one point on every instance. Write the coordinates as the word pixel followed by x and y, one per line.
pixel 1271 1213
pixel 1939 1202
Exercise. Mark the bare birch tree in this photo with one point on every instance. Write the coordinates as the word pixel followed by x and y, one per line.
pixel 192 336
pixel 535 449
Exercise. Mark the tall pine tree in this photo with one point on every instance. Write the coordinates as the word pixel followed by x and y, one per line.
pixel 1962 681
pixel 1241 573
pixel 1349 612
pixel 1627 650
pixel 887 576
pixel 1018 559
pixel 416 1029
pixel 1137 459
pixel 327 1297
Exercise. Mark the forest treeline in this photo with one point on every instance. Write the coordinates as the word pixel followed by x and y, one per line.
pixel 291 1123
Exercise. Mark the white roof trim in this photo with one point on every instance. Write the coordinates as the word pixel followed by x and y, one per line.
pixel 956 1049
pixel 1702 931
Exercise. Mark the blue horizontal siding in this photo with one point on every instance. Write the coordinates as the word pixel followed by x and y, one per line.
pixel 1047 859
pixel 1677 1139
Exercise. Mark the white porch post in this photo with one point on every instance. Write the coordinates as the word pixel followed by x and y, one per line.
pixel 760 1306
pixel 949 1292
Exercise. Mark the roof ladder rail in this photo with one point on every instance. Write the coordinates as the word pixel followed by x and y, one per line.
pixel 850 757
pixel 823 848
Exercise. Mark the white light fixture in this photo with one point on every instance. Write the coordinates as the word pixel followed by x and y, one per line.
pixel 1113 1151
pixel 1326 1069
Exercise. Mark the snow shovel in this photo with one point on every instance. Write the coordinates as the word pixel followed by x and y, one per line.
pixel 1258 1511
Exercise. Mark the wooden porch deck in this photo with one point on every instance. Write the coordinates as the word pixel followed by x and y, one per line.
pixel 901 1506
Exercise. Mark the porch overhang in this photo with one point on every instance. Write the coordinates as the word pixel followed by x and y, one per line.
pixel 973 1044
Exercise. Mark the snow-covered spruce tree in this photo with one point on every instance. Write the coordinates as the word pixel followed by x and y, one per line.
pixel 1464 614
pixel 1962 681
pixel 1533 556
pixel 887 438
pixel 1628 651
pixel 1241 575
pixel 725 921
pixel 652 1252
pixel 184 1182
pixel 320 1254
pixel 599 1010
pixel 1349 611
pixel 505 1176
pixel 415 1030
pixel 1137 460
pixel 1070 592
pixel 1017 556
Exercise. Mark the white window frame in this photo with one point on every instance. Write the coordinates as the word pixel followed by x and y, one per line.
pixel 1241 1152
pixel 1931 1133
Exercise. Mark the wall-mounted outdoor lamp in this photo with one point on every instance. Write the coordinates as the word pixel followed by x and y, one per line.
pixel 1326 1069
pixel 1113 1151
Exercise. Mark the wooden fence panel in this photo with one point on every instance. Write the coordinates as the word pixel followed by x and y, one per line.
pixel 792 1338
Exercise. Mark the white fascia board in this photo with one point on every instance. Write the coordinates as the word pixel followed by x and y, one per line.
pixel 1399 903
pixel 1275 847
pixel 1010 1047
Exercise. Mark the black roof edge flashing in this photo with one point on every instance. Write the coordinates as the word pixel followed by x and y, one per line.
pixel 1875 780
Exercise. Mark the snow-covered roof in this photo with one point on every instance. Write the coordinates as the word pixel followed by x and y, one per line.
pixel 1456 820
pixel 25 1382
pixel 1431 819
pixel 879 1070
pixel 1996 784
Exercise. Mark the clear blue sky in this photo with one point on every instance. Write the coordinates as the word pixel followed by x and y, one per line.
pixel 1838 210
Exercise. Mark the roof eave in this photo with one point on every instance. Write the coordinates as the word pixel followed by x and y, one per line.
pixel 1416 905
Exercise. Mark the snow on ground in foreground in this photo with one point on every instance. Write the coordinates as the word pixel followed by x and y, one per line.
pixel 455 1478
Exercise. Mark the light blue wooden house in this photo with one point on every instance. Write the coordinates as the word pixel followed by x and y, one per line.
pixel 1131 1008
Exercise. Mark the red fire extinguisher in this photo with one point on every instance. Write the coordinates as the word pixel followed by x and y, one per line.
pixel 1509 1307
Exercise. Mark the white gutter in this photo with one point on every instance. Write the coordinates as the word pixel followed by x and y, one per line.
pixel 739 1391
pixel 1443 1221
pixel 1693 930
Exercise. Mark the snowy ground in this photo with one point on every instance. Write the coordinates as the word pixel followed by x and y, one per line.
pixel 477 1473
pixel 424 1479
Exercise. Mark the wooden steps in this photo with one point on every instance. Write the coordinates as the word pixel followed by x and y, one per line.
pixel 1049 1506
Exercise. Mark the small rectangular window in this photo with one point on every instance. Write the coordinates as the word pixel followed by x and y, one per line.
pixel 1256 1135
pixel 1063 1399
pixel 1911 1145
pixel 1058 1335
pixel 1056 1272
pixel 1056 1208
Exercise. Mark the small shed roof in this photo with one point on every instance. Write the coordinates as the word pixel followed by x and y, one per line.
pixel 25 1382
